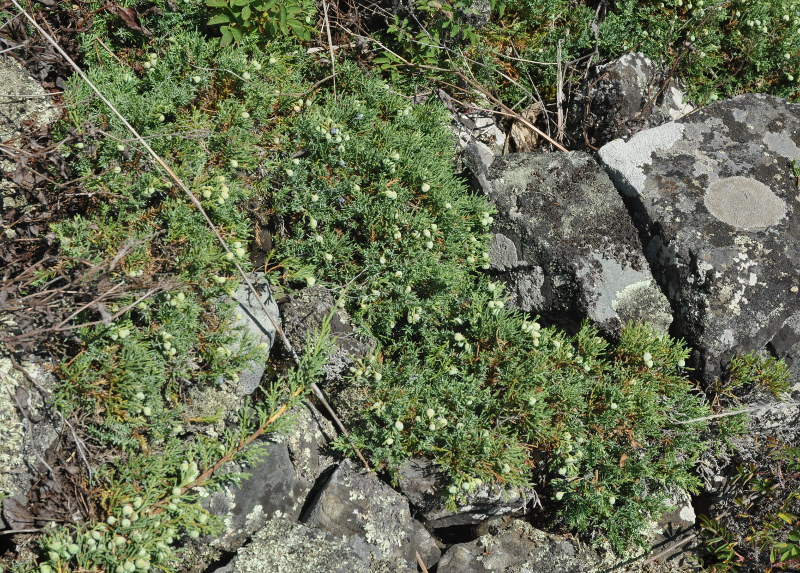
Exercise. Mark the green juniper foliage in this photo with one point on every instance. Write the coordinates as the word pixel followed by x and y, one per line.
pixel 369 201
pixel 128 378
pixel 359 187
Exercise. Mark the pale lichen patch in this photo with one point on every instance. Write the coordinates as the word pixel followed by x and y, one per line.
pixel 12 431
pixel 744 203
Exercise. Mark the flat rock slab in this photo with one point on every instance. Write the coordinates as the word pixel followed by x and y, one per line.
pixel 714 196
pixel 518 548
pixel 423 483
pixel 565 244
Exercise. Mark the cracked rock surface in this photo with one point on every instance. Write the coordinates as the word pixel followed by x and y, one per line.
pixel 715 198
pixel 374 518
pixel 565 244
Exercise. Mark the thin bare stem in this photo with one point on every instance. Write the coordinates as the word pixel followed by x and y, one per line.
pixel 759 408
pixel 330 47
pixel 420 562
pixel 113 55
pixel 560 95
pixel 15 531
pixel 672 547
pixel 12 48
pixel 49 94
pixel 79 445
pixel 322 48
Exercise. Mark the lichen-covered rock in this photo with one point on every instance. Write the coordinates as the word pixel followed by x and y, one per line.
pixel 27 430
pixel 422 483
pixel 518 548
pixel 621 98
pixel 307 440
pixel 373 517
pixel 715 196
pixel 278 483
pixel 23 101
pixel 285 546
pixel 564 243
pixel 272 486
pixel 304 312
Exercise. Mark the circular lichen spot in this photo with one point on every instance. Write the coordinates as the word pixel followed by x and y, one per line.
pixel 744 203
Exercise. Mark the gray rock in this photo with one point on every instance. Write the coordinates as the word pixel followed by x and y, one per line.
pixel 422 483
pixel 278 483
pixel 714 195
pixel 564 243
pixel 623 97
pixel 424 544
pixel 257 324
pixel 284 546
pixel 518 548
pixel 307 441
pixel 24 101
pixel 272 486
pixel 673 525
pixel 373 517
pixel 479 127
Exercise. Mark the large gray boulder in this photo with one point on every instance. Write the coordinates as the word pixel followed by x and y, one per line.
pixel 564 243
pixel 715 197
